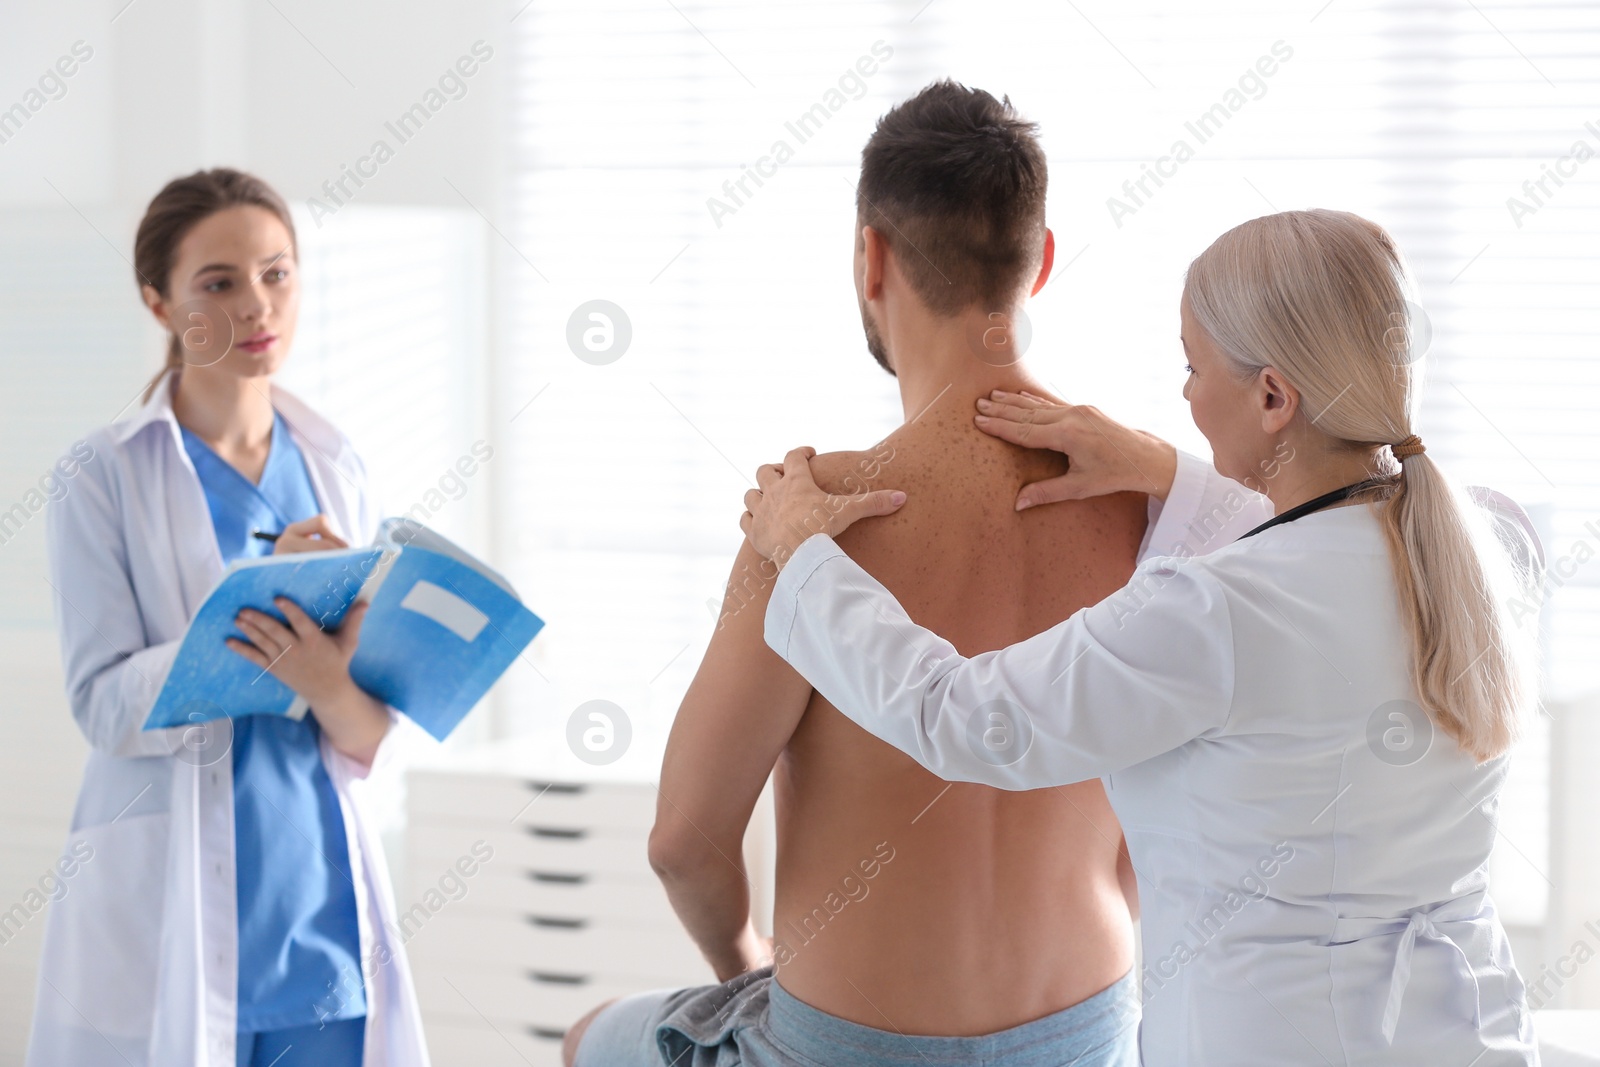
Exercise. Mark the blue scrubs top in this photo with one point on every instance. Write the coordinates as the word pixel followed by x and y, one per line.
pixel 299 942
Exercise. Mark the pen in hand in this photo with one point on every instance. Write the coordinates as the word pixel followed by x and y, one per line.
pixel 308 535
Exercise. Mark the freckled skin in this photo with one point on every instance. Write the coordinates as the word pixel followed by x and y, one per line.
pixel 997 908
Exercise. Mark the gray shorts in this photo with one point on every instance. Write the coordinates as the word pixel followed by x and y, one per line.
pixel 751 1021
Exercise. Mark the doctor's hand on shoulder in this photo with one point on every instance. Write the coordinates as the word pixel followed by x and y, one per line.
pixel 1104 456
pixel 789 507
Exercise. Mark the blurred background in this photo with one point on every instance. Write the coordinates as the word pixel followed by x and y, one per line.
pixel 602 150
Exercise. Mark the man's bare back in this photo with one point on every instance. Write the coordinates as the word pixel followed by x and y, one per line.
pixel 903 904
pixel 907 903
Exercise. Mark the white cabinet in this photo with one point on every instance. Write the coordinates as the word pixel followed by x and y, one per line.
pixel 527 901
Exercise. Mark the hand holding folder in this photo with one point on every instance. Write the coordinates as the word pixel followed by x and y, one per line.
pixel 441 629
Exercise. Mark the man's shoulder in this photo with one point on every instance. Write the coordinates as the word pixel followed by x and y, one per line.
pixel 855 471
pixel 896 462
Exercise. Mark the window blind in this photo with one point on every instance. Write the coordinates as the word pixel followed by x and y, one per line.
pixel 392 338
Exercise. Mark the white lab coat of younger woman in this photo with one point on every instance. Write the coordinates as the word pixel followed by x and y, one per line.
pixel 140 960
pixel 1311 864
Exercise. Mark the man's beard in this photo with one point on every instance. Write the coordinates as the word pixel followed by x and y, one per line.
pixel 875 343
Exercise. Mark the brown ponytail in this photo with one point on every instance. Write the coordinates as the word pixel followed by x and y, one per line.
pixel 182 204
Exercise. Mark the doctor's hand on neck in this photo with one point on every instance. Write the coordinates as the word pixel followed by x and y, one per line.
pixel 1253 419
pixel 789 507
pixel 1106 456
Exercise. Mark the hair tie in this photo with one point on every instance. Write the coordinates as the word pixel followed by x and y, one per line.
pixel 1411 446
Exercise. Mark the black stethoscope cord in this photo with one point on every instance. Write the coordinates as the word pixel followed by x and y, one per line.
pixel 1301 510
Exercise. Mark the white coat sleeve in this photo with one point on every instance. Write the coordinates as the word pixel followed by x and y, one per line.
pixel 113 673
pixel 1203 511
pixel 1141 673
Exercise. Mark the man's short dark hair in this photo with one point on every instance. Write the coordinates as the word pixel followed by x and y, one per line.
pixel 954 180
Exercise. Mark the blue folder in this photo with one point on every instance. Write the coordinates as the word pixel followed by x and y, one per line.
pixel 441 630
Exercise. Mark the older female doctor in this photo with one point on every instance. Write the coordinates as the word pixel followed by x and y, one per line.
pixel 1303 732
pixel 236 908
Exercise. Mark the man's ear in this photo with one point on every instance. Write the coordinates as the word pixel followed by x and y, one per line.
pixel 873 265
pixel 1046 263
pixel 1277 399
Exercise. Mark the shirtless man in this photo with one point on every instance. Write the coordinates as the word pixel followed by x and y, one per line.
pixel 912 917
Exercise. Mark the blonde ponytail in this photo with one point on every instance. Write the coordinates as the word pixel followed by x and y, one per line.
pixel 1321 296
pixel 1455 586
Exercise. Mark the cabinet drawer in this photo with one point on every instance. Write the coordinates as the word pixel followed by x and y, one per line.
pixel 555 849
pixel 507 799
pixel 467 1041
pixel 520 998
pixel 556 945
pixel 586 896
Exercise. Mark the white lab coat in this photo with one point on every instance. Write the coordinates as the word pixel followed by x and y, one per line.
pixel 141 955
pixel 1311 891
